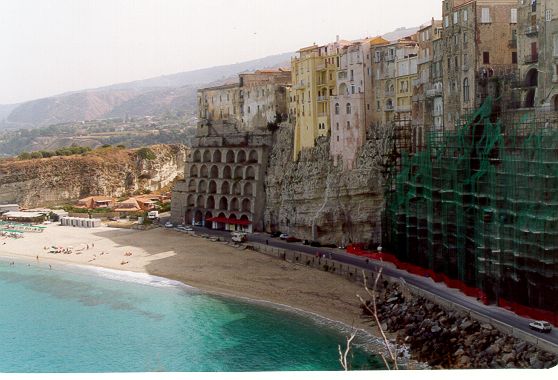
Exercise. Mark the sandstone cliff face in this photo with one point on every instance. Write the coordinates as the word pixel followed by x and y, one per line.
pixel 112 172
pixel 313 199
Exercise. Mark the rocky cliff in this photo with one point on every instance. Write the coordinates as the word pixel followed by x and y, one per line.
pixel 110 171
pixel 313 199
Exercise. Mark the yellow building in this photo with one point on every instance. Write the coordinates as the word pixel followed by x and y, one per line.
pixel 406 74
pixel 314 74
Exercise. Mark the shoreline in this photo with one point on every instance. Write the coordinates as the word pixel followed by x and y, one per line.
pixel 211 267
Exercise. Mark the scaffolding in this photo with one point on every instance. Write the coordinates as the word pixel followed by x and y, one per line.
pixel 480 206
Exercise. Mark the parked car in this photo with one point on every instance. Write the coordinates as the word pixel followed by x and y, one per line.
pixel 188 228
pixel 292 239
pixel 169 225
pixel 306 242
pixel 276 234
pixel 283 236
pixel 541 326
pixel 315 244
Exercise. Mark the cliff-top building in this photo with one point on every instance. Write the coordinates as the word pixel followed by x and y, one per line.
pixel 224 175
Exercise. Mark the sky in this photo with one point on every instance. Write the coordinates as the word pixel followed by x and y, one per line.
pixel 48 47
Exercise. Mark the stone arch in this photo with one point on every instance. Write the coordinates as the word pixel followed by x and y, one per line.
pixel 250 173
pixel 234 204
pixel 200 201
pixel 210 203
pixel 194 171
pixel 203 171
pixel 227 172
pixel 192 185
pixel 221 226
pixel 233 217
pixel 248 189
pixel 202 186
pixel 225 188
pixel 530 98
pixel 236 189
pixel 229 158
pixel 208 215
pixel 214 172
pixel 238 172
pixel 217 156
pixel 241 156
pixel 246 205
pixel 198 216
pixel 223 203
pixel 206 156
pixel 555 102
pixel 212 188
pixel 245 218
pixel 532 78
pixel 253 157
pixel 188 217
pixel 191 200
pixel 196 156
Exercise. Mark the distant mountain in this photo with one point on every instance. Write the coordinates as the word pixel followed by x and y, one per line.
pixel 174 94
pixel 400 33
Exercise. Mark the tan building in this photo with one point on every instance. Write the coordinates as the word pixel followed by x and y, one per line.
pixel 314 81
pixel 220 104
pixel 537 45
pixel 480 56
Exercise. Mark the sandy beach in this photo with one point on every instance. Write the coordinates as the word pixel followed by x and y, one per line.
pixel 198 262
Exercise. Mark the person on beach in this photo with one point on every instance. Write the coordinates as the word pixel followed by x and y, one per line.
pixel 49 266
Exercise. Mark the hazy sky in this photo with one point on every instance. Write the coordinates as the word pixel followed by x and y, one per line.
pixel 53 46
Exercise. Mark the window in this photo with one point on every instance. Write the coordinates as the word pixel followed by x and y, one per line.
pixel 465 38
pixel 337 126
pixel 348 125
pixel 486 58
pixel 548 15
pixel 466 89
pixel 485 15
pixel 455 17
pixel 555 38
pixel 446 21
pixel 337 138
pixel 248 109
pixel 348 108
pixel 465 59
pixel 514 57
pixel 513 17
pixel 337 108
pixel 465 15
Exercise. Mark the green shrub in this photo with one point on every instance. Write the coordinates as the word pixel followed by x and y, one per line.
pixel 146 154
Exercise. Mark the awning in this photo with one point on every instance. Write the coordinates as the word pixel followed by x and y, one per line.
pixel 239 222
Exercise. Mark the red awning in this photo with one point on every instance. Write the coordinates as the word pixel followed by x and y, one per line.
pixel 240 222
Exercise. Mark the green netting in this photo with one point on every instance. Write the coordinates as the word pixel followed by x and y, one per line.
pixel 480 204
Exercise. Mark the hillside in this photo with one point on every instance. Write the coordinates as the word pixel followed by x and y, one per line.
pixel 108 171
pixel 165 95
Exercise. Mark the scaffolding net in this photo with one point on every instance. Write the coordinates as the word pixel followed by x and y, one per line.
pixel 479 207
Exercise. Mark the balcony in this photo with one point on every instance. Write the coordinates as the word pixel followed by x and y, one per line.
pixel 389 93
pixel 532 58
pixel 512 44
pixel 433 92
pixel 389 107
pixel 404 108
pixel 465 67
pixel 423 60
pixel 322 114
pixel 342 75
pixel 322 98
pixel 532 30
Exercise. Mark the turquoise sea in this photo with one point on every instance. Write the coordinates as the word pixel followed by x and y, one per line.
pixel 73 319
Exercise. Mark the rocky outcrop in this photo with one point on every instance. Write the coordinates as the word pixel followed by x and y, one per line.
pixel 451 339
pixel 110 171
pixel 312 199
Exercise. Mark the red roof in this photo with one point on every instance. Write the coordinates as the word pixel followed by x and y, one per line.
pixel 240 222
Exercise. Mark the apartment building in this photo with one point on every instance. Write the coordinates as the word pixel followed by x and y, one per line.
pixel 480 56
pixel 314 81
pixel 389 83
pixel 352 106
pixel 422 113
pixel 263 97
pixel 537 45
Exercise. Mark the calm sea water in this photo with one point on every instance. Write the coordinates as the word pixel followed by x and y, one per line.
pixel 76 320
